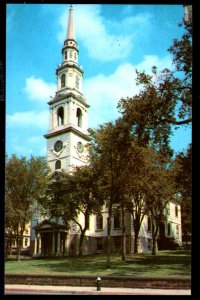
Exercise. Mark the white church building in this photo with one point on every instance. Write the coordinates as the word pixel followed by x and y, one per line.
pixel 68 113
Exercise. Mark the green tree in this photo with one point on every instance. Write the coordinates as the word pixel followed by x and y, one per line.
pixel 136 186
pixel 183 179
pixel 163 103
pixel 165 99
pixel 160 190
pixel 107 155
pixel 25 181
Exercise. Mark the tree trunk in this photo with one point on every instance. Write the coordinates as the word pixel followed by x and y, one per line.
pixel 136 241
pixel 123 245
pixel 18 248
pixel 81 243
pixel 154 245
pixel 154 238
pixel 123 236
pixel 108 243
pixel 10 246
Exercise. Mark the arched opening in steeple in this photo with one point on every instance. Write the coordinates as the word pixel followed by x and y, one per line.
pixel 58 165
pixel 60 116
pixel 63 80
pixel 79 117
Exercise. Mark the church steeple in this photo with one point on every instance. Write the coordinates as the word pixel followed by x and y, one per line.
pixel 68 109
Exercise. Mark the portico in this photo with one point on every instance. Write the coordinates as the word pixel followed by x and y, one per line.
pixel 50 239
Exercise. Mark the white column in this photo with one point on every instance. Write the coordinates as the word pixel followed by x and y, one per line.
pixel 54 116
pixel 58 243
pixel 50 118
pixel 40 244
pixel 65 244
pixel 70 112
pixel 66 113
pixel 35 247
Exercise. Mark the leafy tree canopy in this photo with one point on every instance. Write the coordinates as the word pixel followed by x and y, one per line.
pixel 165 99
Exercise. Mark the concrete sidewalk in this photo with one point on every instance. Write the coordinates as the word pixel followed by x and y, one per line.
pixel 19 289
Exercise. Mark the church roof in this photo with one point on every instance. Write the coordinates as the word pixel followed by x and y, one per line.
pixel 45 224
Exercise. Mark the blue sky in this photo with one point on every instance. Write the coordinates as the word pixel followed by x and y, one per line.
pixel 113 40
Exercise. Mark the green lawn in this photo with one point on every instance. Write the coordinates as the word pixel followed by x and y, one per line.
pixel 165 263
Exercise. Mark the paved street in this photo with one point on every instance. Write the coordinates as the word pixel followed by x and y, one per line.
pixel 18 289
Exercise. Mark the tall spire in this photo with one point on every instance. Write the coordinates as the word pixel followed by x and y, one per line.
pixel 70 29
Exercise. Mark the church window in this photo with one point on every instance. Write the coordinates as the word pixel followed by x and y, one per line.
pixel 79 117
pixel 99 222
pixel 168 209
pixel 58 165
pixel 63 80
pixel 168 229
pixel 87 222
pixel 116 221
pixel 26 243
pixel 60 114
pixel 75 56
pixel 65 54
pixel 176 211
pixel 77 82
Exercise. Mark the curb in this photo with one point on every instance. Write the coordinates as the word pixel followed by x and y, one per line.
pixel 86 291
pixel 107 281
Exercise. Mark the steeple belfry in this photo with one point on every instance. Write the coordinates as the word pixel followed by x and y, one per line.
pixel 70 29
pixel 69 73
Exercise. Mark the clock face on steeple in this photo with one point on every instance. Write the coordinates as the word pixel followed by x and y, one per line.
pixel 58 146
pixel 80 147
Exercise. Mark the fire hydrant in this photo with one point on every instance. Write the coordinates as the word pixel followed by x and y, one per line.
pixel 98 282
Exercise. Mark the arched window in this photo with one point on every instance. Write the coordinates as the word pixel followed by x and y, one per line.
pixel 63 80
pixel 99 222
pixel 65 54
pixel 26 243
pixel 58 165
pixel 79 117
pixel 60 115
pixel 70 53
